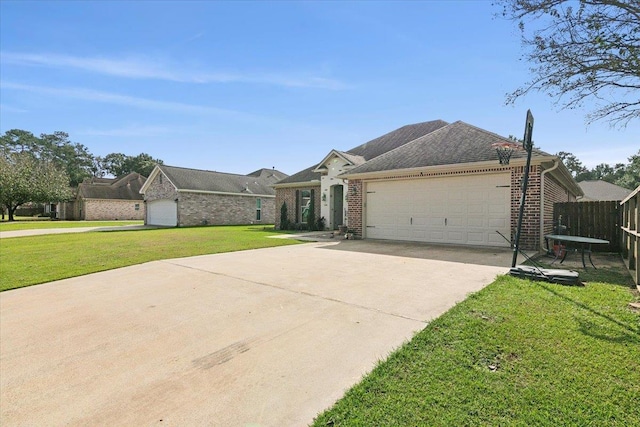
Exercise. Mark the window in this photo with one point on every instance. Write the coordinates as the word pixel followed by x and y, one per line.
pixel 305 204
pixel 258 209
pixel 137 207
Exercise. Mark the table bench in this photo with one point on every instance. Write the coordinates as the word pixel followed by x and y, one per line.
pixel 583 244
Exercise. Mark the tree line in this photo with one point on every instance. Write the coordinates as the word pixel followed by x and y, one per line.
pixel 45 168
pixel 627 176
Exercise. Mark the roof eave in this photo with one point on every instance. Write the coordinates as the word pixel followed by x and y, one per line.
pixel 226 193
pixel 456 167
pixel 297 184
pixel 564 176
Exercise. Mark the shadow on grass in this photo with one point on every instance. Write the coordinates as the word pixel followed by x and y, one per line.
pixel 629 334
pixel 611 269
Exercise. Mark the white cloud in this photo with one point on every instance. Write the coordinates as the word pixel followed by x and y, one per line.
pixel 113 98
pixel 150 68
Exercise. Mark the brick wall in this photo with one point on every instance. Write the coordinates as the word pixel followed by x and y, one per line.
pixel 160 188
pixel 553 193
pixel 108 210
pixel 530 233
pixel 221 209
pixel 288 196
pixel 355 207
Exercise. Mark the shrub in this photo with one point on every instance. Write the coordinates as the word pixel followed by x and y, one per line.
pixel 321 223
pixel 284 217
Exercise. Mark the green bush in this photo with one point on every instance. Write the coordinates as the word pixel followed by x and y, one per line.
pixel 284 217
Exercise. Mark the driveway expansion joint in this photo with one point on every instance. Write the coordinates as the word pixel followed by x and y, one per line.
pixel 303 293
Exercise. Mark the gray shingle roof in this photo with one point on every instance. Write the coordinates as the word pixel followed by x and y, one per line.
pixel 456 143
pixel 123 188
pixel 202 180
pixel 353 158
pixel 602 190
pixel 397 138
pixel 374 148
pixel 305 175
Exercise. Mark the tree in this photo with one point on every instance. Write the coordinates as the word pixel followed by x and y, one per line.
pixel 627 176
pixel 118 164
pixel 631 177
pixel 584 50
pixel 284 217
pixel 74 158
pixel 24 178
pixel 572 163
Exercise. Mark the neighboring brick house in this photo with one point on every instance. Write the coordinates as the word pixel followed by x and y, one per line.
pixel 434 182
pixel 184 197
pixel 106 199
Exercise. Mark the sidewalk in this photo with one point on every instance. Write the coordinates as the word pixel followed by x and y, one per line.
pixel 38 232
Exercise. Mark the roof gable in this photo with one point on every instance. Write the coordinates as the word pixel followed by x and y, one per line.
pixel 350 159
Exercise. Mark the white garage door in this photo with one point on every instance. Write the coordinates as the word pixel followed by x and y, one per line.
pixel 464 210
pixel 162 212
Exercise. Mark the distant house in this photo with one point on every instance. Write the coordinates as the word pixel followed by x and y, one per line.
pixel 106 199
pixel 184 197
pixel 602 191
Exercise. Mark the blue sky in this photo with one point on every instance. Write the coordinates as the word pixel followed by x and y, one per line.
pixel 236 86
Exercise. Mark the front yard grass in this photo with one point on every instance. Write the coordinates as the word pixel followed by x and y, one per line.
pixel 517 353
pixel 39 223
pixel 26 261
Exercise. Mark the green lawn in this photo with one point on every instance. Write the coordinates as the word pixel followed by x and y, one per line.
pixel 39 223
pixel 517 353
pixel 28 261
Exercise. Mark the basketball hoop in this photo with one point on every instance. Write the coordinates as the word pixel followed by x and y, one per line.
pixel 504 150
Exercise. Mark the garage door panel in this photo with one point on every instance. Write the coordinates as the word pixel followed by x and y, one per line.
pixel 454 221
pixel 162 212
pixel 498 223
pixel 476 237
pixel 456 237
pixel 477 222
pixel 462 209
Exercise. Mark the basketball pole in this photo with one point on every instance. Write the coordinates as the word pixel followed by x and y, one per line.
pixel 528 145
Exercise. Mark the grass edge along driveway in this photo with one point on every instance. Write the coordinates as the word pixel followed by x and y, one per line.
pixel 26 261
pixel 45 224
pixel 517 353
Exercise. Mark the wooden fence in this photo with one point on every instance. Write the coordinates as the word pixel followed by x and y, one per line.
pixel 631 234
pixel 600 220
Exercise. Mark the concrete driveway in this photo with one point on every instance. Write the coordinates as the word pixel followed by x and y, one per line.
pixel 263 337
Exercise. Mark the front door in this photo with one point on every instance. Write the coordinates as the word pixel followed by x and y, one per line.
pixel 336 206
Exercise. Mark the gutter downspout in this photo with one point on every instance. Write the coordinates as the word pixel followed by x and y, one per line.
pixel 556 163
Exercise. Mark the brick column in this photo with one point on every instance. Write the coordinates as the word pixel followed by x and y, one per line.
pixel 530 234
pixel 354 202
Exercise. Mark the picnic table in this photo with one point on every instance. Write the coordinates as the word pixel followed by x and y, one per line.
pixel 583 244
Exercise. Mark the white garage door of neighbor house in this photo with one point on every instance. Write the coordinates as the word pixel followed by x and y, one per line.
pixel 464 210
pixel 162 212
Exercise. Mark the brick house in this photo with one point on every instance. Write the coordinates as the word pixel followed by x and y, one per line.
pixel 433 182
pixel 105 199
pixel 185 197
